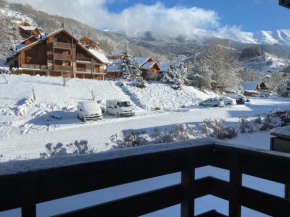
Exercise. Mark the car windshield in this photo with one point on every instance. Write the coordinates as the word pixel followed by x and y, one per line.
pixel 124 104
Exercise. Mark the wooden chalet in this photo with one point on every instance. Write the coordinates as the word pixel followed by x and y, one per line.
pixel 57 54
pixel 89 43
pixel 150 69
pixel 27 31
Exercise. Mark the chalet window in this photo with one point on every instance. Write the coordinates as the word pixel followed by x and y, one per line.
pixel 32 52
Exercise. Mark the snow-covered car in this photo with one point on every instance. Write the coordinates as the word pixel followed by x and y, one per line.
pixel 89 111
pixel 229 101
pixel 119 108
pixel 214 102
pixel 241 99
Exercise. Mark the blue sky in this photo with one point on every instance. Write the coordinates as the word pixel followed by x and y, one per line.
pixel 251 15
pixel 194 19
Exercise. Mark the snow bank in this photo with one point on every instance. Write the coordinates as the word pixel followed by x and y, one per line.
pixel 163 96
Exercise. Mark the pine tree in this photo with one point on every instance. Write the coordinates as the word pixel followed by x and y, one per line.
pixel 129 67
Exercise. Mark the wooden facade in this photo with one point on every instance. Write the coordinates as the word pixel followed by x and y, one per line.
pixel 150 71
pixel 59 54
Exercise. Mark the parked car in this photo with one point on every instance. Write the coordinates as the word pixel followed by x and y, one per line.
pixel 263 93
pixel 229 101
pixel 241 99
pixel 119 108
pixel 214 102
pixel 89 111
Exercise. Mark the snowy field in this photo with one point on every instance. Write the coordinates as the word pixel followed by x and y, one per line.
pixel 26 126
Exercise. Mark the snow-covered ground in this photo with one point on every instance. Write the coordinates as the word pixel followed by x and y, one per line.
pixel 26 126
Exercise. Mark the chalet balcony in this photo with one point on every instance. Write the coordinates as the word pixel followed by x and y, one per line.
pixel 63 68
pixel 62 45
pixel 80 69
pixel 33 66
pixel 82 58
pixel 37 181
pixel 62 57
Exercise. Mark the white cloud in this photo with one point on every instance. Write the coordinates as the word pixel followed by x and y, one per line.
pixel 156 17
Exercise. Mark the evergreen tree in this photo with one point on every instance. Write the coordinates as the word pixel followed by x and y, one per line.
pixel 129 67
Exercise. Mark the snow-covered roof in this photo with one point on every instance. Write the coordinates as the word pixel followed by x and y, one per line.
pixel 250 85
pixel 27 46
pixel 113 69
pixel 116 54
pixel 117 61
pixel 148 65
pixel 19 46
pixel 165 66
pixel 141 60
pixel 100 56
pixel 60 30
pixel 28 28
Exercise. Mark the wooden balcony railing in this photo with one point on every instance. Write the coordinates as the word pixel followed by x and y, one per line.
pixel 63 68
pixel 37 181
pixel 62 45
pixel 62 57
pixel 79 69
pixel 33 66
pixel 81 58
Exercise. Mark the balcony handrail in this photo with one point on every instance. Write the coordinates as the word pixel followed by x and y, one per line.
pixel 62 45
pixel 33 66
pixel 62 56
pixel 29 182
pixel 63 68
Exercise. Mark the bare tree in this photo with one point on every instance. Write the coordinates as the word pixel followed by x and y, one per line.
pixel 223 65
pixel 276 78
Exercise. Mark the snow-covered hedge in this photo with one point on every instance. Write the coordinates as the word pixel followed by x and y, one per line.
pixel 265 121
pixel 60 149
pixel 178 132
pixel 218 129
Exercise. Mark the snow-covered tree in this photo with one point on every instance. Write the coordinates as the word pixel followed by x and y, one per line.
pixel 276 79
pixel 129 67
pixel 283 89
pixel 223 65
pixel 199 76
pixel 9 34
pixel 176 75
pixel 249 75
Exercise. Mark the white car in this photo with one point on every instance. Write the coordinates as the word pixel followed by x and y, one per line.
pixel 89 111
pixel 119 108
pixel 229 100
pixel 214 102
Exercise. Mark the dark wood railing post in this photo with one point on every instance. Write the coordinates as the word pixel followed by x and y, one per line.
pixel 235 187
pixel 188 184
pixel 28 200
